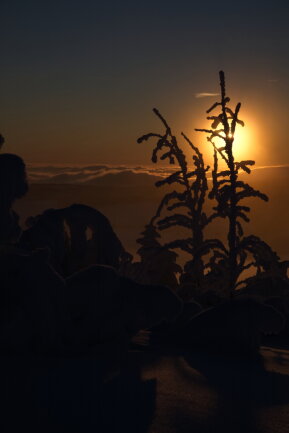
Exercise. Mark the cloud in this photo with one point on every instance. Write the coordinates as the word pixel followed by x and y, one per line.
pixel 96 174
pixel 206 95
pixel 117 175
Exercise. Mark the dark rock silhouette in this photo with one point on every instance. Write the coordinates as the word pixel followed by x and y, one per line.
pixel 280 304
pixel 47 385
pixel 232 327
pixel 42 312
pixel 147 305
pixel 107 307
pixel 13 185
pixel 33 310
pixel 166 332
pixel 190 310
pixel 77 237
pixel 94 304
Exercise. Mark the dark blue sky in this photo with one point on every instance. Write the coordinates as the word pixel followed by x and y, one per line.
pixel 79 78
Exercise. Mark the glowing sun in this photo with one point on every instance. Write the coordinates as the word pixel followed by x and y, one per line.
pixel 244 141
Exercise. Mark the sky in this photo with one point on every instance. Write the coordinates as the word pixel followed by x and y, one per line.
pixel 79 79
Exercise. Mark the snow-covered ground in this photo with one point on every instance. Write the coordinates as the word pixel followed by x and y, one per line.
pixel 154 392
pixel 201 395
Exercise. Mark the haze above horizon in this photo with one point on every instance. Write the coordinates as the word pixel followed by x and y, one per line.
pixel 79 79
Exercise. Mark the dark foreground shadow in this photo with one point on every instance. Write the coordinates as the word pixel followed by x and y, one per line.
pixel 243 387
pixel 73 396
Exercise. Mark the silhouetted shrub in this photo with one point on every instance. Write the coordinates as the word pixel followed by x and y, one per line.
pixel 185 203
pixel 242 252
pixel 214 265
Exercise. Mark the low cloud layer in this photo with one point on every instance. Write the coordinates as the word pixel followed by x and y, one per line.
pixel 118 175
pixel 96 174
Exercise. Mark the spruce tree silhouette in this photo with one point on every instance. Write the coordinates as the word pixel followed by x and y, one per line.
pixel 229 191
pixel 158 263
pixel 188 202
pixel 214 266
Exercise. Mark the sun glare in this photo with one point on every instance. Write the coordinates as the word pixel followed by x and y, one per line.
pixel 244 145
pixel 243 142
